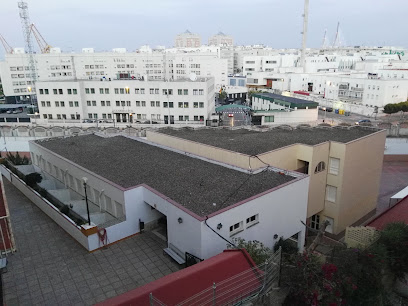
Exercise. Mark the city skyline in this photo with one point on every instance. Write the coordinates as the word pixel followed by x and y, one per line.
pixel 72 25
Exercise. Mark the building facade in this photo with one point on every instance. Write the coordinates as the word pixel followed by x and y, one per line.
pixel 221 39
pixel 127 100
pixel 187 40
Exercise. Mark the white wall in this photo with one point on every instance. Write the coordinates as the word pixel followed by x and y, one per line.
pixel 280 212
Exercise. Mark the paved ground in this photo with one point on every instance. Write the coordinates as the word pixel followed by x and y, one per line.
pixel 51 268
pixel 394 178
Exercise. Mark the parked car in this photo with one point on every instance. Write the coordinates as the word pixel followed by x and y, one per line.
pixel 88 121
pixel 329 109
pixel 363 121
pixel 9 111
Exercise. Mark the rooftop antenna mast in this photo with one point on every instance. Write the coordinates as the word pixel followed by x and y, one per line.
pixel 304 34
pixel 26 25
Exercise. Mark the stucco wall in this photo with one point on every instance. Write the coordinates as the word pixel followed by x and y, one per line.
pixel 280 212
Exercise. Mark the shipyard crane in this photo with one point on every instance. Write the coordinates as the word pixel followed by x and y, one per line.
pixel 7 47
pixel 44 46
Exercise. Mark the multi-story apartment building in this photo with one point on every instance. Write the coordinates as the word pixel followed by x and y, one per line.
pixel 151 65
pixel 221 39
pixel 127 100
pixel 187 40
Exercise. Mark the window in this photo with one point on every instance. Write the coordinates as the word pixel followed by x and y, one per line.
pixel 331 193
pixel 69 91
pixel 116 90
pixel 180 118
pixel 320 167
pixel 122 91
pixel 201 104
pixel 236 228
pixel 170 92
pixel 90 116
pixel 106 91
pixel 180 104
pixel 143 103
pixel 58 116
pixel 102 103
pixel 329 227
pixel 195 104
pixel 315 222
pixel 95 116
pixel 334 165
pixel 137 91
pixel 165 104
pixel 43 103
pixel 109 116
pixel 62 103
pixel 122 103
pixel 195 92
pixel 156 91
pixel 104 116
pixel 71 104
pixel 74 91
pixel 117 103
pixel 269 119
pixel 185 92
pixel 137 103
pixel 101 91
pixel 152 103
pixel 107 103
pixel 60 91
pixel 165 92
pixel 185 104
pixel 76 103
pixel 45 116
pixel 41 91
pixel 128 103
pixel 142 91
pixel 49 116
pixel 55 91
pixel 151 91
pixel 252 220
pixel 171 104
pixel 186 118
pixel 88 103
pixel 92 90
pixel 195 118
pixel 93 103
pixel 87 90
pixel 46 91
pixel 72 116
pixel 48 104
pixel 157 103
pixel 201 92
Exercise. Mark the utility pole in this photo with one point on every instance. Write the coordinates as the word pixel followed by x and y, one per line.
pixel 26 25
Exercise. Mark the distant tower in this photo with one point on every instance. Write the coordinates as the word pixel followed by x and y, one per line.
pixel 304 33
pixel 221 39
pixel 336 42
pixel 187 40
pixel 26 25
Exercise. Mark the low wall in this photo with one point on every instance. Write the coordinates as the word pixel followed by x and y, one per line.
pixel 50 210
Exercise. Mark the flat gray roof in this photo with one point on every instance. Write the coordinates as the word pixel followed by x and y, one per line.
pixel 193 183
pixel 256 142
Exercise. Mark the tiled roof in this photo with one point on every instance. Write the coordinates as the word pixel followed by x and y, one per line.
pixel 397 213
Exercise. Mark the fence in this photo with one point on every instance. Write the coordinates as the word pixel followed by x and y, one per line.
pixel 361 237
pixel 241 288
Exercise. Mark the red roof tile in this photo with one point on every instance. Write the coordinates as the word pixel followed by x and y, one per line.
pixel 397 213
pixel 183 284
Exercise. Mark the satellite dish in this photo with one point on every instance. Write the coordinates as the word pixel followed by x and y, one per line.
pixel 193 77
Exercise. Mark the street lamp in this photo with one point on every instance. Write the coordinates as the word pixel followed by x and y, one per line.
pixel 84 180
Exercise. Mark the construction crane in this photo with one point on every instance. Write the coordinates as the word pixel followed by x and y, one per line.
pixel 44 46
pixel 26 25
pixel 7 47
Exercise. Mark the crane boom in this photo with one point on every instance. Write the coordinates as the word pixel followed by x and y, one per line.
pixel 44 46
pixel 7 47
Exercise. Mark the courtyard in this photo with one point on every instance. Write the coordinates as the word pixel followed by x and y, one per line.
pixel 51 268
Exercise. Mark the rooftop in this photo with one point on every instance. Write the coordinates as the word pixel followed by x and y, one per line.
pixel 397 213
pixel 191 182
pixel 289 101
pixel 257 142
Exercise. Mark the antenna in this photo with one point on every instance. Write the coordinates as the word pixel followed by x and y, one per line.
pixel 26 25
pixel 193 77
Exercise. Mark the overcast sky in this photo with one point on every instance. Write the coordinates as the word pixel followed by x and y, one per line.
pixel 103 24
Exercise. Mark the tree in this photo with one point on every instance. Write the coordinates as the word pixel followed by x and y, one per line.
pixel 17 159
pixel 256 249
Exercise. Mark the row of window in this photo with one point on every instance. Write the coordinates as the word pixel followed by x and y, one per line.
pixel 58 91
pixel 124 103
pixel 239 227
pixel 334 166
pixel 60 104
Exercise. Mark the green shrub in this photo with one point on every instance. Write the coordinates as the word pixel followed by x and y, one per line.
pixel 256 249
pixel 288 247
pixel 33 179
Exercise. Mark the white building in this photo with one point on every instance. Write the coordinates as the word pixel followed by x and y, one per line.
pixel 187 40
pixel 221 39
pixel 128 100
pixel 139 183
pixel 271 109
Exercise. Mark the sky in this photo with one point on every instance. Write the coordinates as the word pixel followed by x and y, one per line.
pixel 104 25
